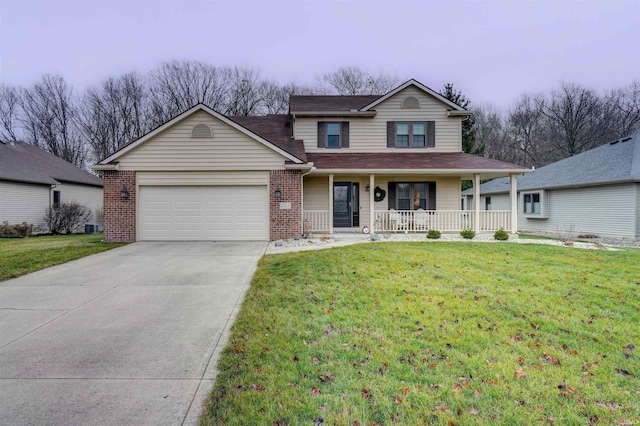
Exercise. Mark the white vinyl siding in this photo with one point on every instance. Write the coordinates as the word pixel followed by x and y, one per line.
pixel 215 213
pixel 23 202
pixel 606 210
pixel 87 195
pixel 175 149
pixel 369 134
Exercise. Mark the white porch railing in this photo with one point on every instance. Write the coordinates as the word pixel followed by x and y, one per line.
pixel 319 220
pixel 422 220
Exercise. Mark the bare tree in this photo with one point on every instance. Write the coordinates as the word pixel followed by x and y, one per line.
pixel 355 81
pixel 49 119
pixel 276 97
pixel 623 108
pixel 526 131
pixel 245 95
pixel 9 112
pixel 574 119
pixel 114 113
pixel 490 131
pixel 177 86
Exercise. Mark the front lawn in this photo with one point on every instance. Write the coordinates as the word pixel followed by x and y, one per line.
pixel 435 333
pixel 19 256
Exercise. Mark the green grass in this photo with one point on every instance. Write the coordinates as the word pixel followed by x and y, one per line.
pixel 424 333
pixel 19 256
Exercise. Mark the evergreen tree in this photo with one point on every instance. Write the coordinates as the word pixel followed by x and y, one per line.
pixel 468 124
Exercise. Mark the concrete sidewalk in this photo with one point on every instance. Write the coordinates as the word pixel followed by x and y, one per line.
pixel 129 336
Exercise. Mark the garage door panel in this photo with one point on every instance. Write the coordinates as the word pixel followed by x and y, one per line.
pixel 203 213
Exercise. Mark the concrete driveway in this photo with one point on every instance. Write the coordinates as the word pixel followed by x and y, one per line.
pixel 126 337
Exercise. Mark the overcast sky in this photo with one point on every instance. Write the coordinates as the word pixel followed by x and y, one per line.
pixel 491 50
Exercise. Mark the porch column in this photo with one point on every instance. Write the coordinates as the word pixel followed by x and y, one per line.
pixel 372 219
pixel 476 203
pixel 330 204
pixel 513 196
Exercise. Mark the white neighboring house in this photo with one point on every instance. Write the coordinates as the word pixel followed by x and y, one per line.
pixel 597 191
pixel 32 180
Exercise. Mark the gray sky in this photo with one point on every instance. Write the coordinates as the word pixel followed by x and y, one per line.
pixel 491 50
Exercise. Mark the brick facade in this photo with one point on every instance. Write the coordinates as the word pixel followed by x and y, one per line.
pixel 285 223
pixel 119 213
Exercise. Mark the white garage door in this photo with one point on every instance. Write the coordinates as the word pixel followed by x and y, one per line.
pixel 203 213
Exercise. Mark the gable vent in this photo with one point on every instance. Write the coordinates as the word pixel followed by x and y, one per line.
pixel 201 131
pixel 410 102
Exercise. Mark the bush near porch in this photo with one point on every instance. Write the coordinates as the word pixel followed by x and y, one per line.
pixel 423 333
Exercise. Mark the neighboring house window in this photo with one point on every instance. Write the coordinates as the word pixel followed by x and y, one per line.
pixel 412 134
pixel 412 195
pixel 333 134
pixel 487 203
pixel 531 203
pixel 56 199
pixel 201 131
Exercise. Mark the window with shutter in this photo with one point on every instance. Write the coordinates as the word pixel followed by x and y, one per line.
pixel 412 195
pixel 333 134
pixel 411 134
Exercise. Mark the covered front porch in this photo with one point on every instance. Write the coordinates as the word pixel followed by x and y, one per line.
pixel 399 203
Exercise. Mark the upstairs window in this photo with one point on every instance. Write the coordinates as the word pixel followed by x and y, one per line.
pixel 333 134
pixel 412 134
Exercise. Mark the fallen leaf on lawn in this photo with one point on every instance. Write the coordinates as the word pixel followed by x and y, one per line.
pixel 318 421
pixel 315 391
pixel 520 373
pixel 474 411
pixel 477 393
pixel 534 326
pixel 397 399
pixel 315 360
pixel 405 389
pixel 623 372
pixel 629 347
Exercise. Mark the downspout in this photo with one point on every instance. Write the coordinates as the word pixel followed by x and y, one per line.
pixel 302 195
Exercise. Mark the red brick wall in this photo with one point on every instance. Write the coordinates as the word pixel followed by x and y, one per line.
pixel 119 213
pixel 285 223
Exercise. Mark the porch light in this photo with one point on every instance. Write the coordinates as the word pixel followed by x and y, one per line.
pixel 368 188
pixel 277 193
pixel 124 193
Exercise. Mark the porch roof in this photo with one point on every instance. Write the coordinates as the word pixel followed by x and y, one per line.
pixel 458 163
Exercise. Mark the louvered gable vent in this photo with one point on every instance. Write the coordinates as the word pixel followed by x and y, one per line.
pixel 201 131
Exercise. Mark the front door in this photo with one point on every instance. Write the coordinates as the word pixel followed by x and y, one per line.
pixel 342 206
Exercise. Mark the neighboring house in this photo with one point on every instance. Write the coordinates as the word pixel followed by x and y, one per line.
pixel 32 180
pixel 597 191
pixel 389 163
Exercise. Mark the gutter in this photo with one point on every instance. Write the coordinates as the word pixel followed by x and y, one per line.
pixel 307 166
pixel 103 167
pixel 451 113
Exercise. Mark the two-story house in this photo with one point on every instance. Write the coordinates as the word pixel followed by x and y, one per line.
pixel 389 163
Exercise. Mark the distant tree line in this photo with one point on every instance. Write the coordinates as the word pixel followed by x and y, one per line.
pixel 84 127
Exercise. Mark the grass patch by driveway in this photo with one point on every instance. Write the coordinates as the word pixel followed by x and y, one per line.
pixel 20 256
pixel 418 333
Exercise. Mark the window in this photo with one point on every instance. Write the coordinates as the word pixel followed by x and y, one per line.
pixel 412 134
pixel 531 203
pixel 487 203
pixel 412 195
pixel 333 134
pixel 56 199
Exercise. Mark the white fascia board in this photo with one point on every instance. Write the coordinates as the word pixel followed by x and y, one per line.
pixel 458 113
pixel 304 166
pixel 102 167
pixel 184 115
pixel 420 86
pixel 448 172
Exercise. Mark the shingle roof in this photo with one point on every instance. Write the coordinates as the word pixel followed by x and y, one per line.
pixel 277 129
pixel 309 103
pixel 617 161
pixel 407 160
pixel 23 162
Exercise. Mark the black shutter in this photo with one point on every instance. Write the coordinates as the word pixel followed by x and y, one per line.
pixel 391 195
pixel 322 134
pixel 432 196
pixel 391 134
pixel 431 133
pixel 344 136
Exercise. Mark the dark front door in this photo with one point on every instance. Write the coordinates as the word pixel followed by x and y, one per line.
pixel 342 204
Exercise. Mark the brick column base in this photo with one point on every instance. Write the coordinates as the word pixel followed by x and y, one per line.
pixel 285 223
pixel 119 213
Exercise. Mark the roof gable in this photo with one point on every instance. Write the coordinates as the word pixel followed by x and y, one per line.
pixel 200 107
pixel 23 162
pixel 412 82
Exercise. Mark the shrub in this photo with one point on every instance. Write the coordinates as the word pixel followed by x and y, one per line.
pixel 501 235
pixel 20 230
pixel 433 234
pixel 467 234
pixel 67 218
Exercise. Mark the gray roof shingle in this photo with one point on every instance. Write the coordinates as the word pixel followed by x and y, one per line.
pixel 23 162
pixel 617 161
pixel 313 103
